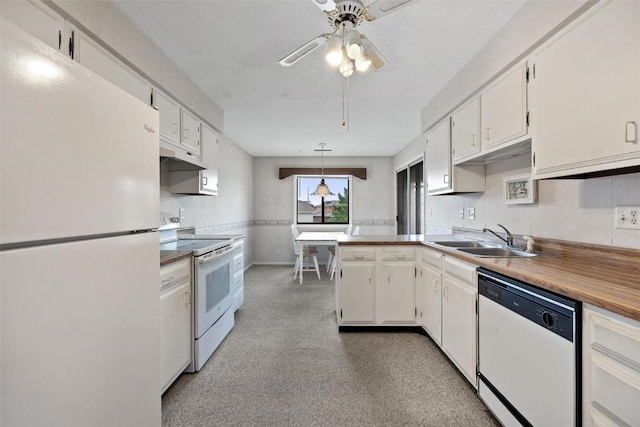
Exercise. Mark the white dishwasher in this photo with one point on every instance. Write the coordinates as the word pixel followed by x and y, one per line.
pixel 528 353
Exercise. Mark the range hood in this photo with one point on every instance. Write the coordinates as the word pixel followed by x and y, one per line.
pixel 181 160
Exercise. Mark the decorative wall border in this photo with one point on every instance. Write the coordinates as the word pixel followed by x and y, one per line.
pixel 222 228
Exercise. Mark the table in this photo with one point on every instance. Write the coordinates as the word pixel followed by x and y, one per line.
pixel 316 238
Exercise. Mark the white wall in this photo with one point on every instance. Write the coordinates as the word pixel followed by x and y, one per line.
pixel 575 210
pixel 231 211
pixel 372 202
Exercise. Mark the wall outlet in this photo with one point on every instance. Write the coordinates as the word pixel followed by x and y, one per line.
pixel 430 213
pixel 471 213
pixel 628 217
pixel 461 214
pixel 181 213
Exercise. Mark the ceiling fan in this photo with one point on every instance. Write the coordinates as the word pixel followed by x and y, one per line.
pixel 347 48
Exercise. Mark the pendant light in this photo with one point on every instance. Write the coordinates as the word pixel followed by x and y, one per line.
pixel 322 190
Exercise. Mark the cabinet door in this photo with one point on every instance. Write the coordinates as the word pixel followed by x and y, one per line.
pixel 397 297
pixel 504 108
pixel 169 117
pixel 459 325
pixel 209 176
pixel 176 337
pixel 36 19
pixel 431 303
pixel 586 93
pixel 438 158
pixel 357 295
pixel 465 130
pixel 190 136
pixel 88 53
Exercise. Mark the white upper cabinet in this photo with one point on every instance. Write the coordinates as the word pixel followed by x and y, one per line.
pixel 93 56
pixel 586 94
pixel 48 26
pixel 209 176
pixel 190 135
pixel 169 117
pixel 202 182
pixel 438 158
pixel 38 20
pixel 465 130
pixel 504 108
pixel 442 176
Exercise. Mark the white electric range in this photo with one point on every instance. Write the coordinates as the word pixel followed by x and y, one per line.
pixel 212 260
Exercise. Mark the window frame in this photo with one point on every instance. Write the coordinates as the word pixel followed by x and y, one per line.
pixel 327 225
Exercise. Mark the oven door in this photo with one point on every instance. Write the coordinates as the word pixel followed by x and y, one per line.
pixel 212 289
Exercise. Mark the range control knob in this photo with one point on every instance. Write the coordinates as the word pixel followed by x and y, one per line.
pixel 548 320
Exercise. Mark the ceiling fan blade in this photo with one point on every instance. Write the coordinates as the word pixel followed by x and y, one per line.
pixel 325 5
pixel 303 51
pixel 377 59
pixel 380 8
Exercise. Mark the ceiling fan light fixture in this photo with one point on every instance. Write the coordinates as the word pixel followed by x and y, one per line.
pixel 346 68
pixel 334 50
pixel 352 43
pixel 363 63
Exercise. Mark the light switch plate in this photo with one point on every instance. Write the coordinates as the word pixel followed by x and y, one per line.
pixel 628 217
pixel 461 214
pixel 181 213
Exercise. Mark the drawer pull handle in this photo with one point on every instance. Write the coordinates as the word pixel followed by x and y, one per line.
pixel 400 256
pixel 358 256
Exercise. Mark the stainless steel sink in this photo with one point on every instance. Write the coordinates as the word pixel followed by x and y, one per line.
pixel 463 244
pixel 496 252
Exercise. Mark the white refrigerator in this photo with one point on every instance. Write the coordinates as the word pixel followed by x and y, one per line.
pixel 79 257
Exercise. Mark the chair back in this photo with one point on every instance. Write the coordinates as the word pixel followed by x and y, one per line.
pixel 348 232
pixel 356 231
pixel 295 231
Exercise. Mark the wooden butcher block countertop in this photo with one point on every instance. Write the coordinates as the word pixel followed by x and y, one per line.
pixel 605 276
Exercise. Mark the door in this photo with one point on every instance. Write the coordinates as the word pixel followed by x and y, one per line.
pixel 357 284
pixel 410 199
pixel 402 201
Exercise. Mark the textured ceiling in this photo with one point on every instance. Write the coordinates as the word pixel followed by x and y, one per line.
pixel 231 49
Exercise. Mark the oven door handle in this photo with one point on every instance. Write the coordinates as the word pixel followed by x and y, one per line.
pixel 210 257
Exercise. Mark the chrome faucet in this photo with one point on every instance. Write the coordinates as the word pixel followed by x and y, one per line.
pixel 508 237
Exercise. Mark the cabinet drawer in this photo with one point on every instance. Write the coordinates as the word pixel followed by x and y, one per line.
pixel 398 254
pixel 431 257
pixel 175 274
pixel 460 269
pixel 237 281
pixel 615 339
pixel 357 254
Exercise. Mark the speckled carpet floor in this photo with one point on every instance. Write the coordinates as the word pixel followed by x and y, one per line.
pixel 285 364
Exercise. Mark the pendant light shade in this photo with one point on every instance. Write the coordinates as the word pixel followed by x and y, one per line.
pixel 323 189
pixel 334 50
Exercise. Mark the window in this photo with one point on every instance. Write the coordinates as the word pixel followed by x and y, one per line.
pixel 333 209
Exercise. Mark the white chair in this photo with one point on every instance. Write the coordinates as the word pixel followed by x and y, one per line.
pixel 356 231
pixel 348 230
pixel 304 253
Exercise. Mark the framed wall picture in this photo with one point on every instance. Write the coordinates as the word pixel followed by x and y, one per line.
pixel 519 189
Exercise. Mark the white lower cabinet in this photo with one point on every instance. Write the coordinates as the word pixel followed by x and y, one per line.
pixel 459 323
pixel 428 293
pixel 357 293
pixel 376 285
pixel 176 336
pixel 611 369
pixel 398 292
